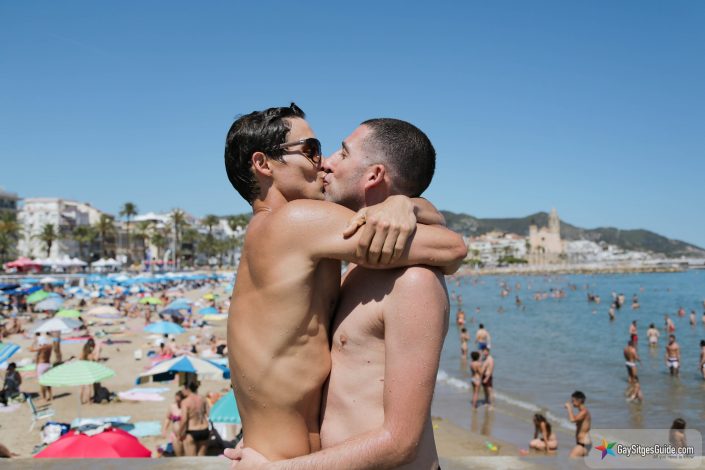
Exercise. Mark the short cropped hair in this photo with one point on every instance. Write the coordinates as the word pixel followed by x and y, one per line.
pixel 578 395
pixel 259 131
pixel 406 151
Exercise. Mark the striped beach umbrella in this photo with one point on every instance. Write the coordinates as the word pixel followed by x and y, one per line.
pixel 74 373
pixel 225 410
pixel 166 370
pixel 7 350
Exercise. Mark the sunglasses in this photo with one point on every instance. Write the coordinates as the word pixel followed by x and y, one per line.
pixel 311 149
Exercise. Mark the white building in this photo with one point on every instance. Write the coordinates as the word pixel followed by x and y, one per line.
pixel 63 214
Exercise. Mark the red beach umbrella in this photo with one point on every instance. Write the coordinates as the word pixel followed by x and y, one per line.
pixel 112 443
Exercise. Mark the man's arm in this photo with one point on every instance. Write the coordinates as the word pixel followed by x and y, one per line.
pixel 317 227
pixel 415 325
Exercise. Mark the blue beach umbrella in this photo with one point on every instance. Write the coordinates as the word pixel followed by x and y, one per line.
pixel 164 327
pixel 166 370
pixel 225 410
pixel 208 311
pixel 7 350
pixel 179 304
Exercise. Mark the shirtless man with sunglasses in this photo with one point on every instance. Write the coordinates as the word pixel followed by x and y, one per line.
pixel 289 282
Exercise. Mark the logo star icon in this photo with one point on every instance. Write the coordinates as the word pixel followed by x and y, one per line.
pixel 606 448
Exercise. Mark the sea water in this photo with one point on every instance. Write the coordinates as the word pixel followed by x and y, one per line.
pixel 545 350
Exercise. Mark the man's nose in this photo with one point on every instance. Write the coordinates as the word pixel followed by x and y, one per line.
pixel 326 164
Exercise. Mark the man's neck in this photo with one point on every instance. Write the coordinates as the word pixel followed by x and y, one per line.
pixel 271 201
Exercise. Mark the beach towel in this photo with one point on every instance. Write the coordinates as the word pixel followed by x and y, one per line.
pixel 99 421
pixel 140 396
pixel 9 408
pixel 148 390
pixel 142 428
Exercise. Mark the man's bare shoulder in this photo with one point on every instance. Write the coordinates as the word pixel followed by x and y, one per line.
pixel 307 210
pixel 413 277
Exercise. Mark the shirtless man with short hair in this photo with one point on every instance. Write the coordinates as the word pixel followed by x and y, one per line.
pixel 289 278
pixel 673 355
pixel 487 375
pixel 582 421
pixel 631 357
pixel 194 430
pixel 482 337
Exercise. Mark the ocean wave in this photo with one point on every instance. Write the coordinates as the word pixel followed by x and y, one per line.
pixel 443 377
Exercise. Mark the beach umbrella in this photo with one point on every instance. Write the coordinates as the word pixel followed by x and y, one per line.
pixel 103 309
pixel 106 443
pixel 179 304
pixel 208 311
pixel 49 304
pixel 50 280
pixel 74 373
pixel 68 314
pixel 64 325
pixel 164 328
pixel 225 410
pixel 150 301
pixel 7 350
pixel 166 370
pixel 37 296
pixel 209 296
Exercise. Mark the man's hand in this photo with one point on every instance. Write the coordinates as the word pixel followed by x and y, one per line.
pixel 244 458
pixel 388 226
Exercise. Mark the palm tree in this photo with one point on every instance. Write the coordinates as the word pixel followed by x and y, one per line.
pixel 9 234
pixel 48 236
pixel 178 220
pixel 106 230
pixel 84 235
pixel 190 239
pixel 210 244
pixel 128 211
pixel 160 239
pixel 144 231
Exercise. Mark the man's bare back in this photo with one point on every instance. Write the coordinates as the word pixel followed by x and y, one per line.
pixel 364 354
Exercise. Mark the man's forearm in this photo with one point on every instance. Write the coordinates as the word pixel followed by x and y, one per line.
pixel 426 213
pixel 373 450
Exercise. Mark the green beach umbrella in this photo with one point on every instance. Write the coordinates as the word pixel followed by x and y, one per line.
pixel 225 410
pixel 68 313
pixel 150 301
pixel 74 373
pixel 37 296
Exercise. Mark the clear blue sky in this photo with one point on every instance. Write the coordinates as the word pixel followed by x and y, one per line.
pixel 595 108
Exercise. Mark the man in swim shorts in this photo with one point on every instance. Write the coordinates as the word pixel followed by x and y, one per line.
pixel 630 359
pixel 482 338
pixel 633 333
pixel 43 362
pixel 673 355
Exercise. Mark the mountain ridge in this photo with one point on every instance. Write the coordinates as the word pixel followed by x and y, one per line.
pixel 633 239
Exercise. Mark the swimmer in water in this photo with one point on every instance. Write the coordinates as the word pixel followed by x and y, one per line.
pixel 653 334
pixel 631 357
pixel 673 355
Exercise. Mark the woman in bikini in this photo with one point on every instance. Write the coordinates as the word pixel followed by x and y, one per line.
pixel 476 379
pixel 544 437
pixel 173 420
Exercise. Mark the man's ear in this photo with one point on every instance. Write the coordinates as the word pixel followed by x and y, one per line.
pixel 375 176
pixel 260 164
